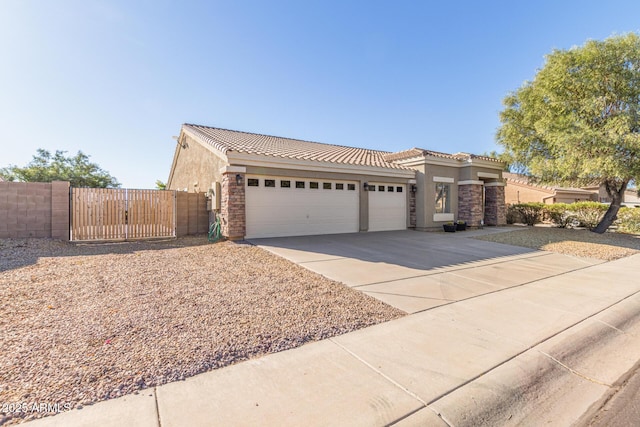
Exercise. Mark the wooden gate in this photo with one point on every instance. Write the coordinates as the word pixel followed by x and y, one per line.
pixel 122 214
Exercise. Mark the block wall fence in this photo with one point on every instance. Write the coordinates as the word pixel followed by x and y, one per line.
pixel 42 210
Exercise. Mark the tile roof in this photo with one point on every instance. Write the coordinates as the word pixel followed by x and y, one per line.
pixel 226 141
pixel 523 179
pixel 421 152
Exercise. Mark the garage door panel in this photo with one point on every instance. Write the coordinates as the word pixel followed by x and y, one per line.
pixel 277 211
pixel 387 209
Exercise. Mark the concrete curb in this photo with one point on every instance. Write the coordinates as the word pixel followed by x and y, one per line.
pixel 563 380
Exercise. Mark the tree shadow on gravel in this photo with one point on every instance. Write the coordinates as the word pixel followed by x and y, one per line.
pixel 18 253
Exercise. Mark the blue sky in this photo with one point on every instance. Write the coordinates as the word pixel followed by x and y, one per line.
pixel 117 78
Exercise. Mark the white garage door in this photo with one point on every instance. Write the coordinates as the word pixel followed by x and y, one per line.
pixel 283 206
pixel 387 207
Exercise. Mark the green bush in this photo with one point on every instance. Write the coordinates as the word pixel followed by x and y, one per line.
pixel 512 215
pixel 560 215
pixel 629 220
pixel 588 214
pixel 529 213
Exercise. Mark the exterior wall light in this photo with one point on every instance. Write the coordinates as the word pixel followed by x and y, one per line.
pixel 238 179
pixel 414 188
pixel 366 186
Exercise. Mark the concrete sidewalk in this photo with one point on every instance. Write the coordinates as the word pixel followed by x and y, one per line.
pixel 540 352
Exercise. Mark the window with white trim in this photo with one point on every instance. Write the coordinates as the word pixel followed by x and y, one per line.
pixel 443 199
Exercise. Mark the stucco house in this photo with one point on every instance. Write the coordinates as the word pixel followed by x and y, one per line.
pixel 520 189
pixel 630 198
pixel 268 186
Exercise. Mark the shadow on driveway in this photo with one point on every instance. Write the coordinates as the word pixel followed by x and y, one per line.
pixel 407 248
pixel 415 271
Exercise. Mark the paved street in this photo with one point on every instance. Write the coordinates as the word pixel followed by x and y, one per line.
pixel 623 410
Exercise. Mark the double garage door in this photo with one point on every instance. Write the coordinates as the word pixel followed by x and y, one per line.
pixel 288 206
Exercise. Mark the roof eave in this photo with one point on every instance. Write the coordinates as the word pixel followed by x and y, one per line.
pixel 207 142
pixel 247 159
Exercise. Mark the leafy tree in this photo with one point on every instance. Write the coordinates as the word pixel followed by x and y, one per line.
pixel 578 121
pixel 44 167
pixel 505 158
pixel 160 185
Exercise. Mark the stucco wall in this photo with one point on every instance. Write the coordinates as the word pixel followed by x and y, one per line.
pixel 522 193
pixel 471 172
pixel 195 164
pixel 429 191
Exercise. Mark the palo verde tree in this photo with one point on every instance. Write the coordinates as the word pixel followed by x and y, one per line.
pixel 578 121
pixel 44 167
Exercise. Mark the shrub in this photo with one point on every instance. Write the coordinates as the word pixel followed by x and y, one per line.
pixel 629 220
pixel 560 215
pixel 512 215
pixel 588 214
pixel 529 213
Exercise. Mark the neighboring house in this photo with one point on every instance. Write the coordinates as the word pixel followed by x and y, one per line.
pixel 520 189
pixel 267 186
pixel 630 199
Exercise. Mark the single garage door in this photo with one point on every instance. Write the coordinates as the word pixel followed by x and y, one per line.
pixel 387 207
pixel 285 206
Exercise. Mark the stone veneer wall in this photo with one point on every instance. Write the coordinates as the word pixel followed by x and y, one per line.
pixel 232 207
pixel 470 204
pixel 412 208
pixel 495 209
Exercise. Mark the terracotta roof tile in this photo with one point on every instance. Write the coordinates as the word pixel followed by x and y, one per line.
pixel 523 179
pixel 226 140
pixel 421 152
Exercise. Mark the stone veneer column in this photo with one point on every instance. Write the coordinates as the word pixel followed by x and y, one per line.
pixel 495 212
pixel 412 206
pixel 470 202
pixel 232 203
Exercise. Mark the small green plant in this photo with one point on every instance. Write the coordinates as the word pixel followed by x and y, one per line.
pixel 529 213
pixel 512 214
pixel 560 215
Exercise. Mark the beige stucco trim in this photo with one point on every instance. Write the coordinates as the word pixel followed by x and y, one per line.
pixel 494 184
pixel 433 161
pixel 233 169
pixel 440 217
pixel 488 175
pixel 470 182
pixel 444 179
pixel 307 165
pixel 486 163
pixel 437 161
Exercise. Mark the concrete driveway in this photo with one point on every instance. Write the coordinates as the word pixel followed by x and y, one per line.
pixel 416 271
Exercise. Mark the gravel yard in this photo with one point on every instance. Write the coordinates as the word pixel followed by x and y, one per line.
pixel 84 323
pixel 581 243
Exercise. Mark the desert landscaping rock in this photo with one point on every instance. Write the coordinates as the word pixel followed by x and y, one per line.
pixel 580 243
pixel 84 323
